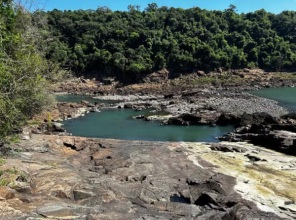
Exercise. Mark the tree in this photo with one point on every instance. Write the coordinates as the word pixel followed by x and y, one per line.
pixel 151 7
pixel 177 39
pixel 23 69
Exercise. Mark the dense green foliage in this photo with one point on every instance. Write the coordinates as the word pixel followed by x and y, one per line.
pixel 136 42
pixel 23 69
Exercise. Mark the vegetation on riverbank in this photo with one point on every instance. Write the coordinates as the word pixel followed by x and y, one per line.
pixel 134 42
pixel 130 44
pixel 24 71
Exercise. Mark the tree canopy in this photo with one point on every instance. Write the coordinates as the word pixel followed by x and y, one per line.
pixel 125 43
pixel 24 71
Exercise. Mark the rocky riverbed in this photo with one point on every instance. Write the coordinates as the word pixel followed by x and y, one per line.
pixel 61 177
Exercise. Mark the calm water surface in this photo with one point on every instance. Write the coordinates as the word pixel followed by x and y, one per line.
pixel 118 124
pixel 286 96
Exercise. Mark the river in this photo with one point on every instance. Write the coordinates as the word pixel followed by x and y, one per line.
pixel 119 124
pixel 285 96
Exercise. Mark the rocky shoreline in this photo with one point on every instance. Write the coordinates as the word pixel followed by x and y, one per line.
pixel 62 177
pixel 201 107
pixel 54 176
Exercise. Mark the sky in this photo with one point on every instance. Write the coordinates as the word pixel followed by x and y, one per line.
pixel 243 6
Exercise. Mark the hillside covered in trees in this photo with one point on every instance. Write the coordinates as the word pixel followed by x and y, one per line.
pixel 125 43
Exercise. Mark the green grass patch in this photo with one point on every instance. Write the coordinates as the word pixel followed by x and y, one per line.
pixel 10 176
pixel 2 161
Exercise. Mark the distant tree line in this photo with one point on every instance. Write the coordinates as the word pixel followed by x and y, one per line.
pixel 135 42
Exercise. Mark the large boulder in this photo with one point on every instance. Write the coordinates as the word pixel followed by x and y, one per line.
pixel 279 140
pixel 257 118
pixel 227 119
pixel 185 119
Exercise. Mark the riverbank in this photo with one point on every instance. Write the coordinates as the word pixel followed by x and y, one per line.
pixel 78 178
pixel 63 177
pixel 159 84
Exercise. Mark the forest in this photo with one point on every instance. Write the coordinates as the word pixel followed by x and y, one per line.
pixel 38 48
pixel 123 44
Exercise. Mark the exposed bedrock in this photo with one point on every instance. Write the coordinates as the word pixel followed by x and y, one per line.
pixel 79 178
pixel 262 129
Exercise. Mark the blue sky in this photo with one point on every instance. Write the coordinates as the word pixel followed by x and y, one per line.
pixel 275 6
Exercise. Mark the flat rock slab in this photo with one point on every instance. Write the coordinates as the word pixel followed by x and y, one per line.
pixel 115 179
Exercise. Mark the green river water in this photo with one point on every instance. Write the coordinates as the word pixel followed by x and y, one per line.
pixel 118 123
pixel 285 96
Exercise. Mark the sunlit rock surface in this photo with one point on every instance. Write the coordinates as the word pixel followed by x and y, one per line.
pixel 78 178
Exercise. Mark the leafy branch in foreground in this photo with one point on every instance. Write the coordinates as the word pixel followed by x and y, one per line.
pixel 24 71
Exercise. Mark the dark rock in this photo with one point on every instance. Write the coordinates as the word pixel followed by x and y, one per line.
pixel 176 121
pixel 254 158
pixel 245 211
pixel 286 127
pixel 128 105
pixel 185 119
pixel 80 194
pixel 289 116
pixel 282 141
pixel 168 96
pixel 227 119
pixel 57 128
pixel 180 199
pixel 226 148
pixel 76 145
pixel 257 118
pixel 207 199
pixel 139 117
pixel 91 105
